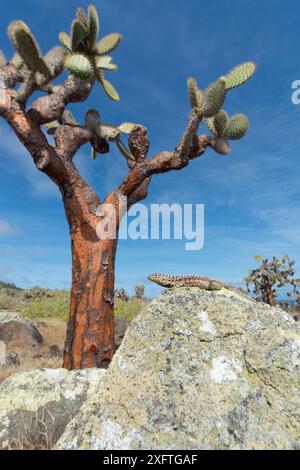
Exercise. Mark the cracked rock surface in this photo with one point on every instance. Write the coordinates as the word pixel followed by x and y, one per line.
pixel 36 406
pixel 197 370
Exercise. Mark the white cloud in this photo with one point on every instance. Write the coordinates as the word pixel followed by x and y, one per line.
pixel 6 228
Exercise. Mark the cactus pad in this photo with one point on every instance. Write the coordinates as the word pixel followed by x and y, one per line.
pixel 92 119
pixel 240 75
pixel 79 66
pixel 220 145
pixel 127 127
pixel 105 63
pixel 124 151
pixel 194 97
pixel 27 47
pixel 108 43
pixel 82 17
pixel 65 40
pixel 220 122
pixel 109 89
pixel 3 60
pixel 237 127
pixel 214 97
pixel 107 132
pixel 93 26
pixel 78 34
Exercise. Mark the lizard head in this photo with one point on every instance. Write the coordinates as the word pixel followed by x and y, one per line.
pixel 153 277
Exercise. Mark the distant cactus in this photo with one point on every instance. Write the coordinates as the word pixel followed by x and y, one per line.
pixel 272 275
pixel 37 292
pixel 139 291
pixel 121 294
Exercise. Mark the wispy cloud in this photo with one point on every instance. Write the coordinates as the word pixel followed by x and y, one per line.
pixel 6 228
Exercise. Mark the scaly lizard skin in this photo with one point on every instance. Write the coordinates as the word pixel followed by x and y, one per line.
pixel 203 282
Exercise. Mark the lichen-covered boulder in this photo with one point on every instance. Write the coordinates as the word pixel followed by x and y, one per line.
pixel 36 406
pixel 198 370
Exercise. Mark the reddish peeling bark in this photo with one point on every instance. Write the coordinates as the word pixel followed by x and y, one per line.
pixel 90 332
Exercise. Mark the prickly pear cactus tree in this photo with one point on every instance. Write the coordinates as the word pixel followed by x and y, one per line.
pixel 270 276
pixel 87 59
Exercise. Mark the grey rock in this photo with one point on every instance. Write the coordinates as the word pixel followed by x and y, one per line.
pixel 15 330
pixel 36 406
pixel 197 370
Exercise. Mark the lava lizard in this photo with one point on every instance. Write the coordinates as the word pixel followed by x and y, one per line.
pixel 203 282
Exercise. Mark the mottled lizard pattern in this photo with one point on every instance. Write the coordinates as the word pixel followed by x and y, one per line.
pixel 203 282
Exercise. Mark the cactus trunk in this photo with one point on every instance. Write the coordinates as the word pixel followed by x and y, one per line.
pixel 90 332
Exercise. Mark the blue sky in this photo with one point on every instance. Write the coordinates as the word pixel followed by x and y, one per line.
pixel 251 197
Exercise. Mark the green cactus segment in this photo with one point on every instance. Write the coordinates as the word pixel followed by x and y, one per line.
pixel 195 95
pixel 108 43
pixel 17 60
pixel 93 153
pixel 220 122
pixel 107 132
pixel 220 145
pixel 124 151
pixel 200 98
pixel 240 75
pixel 79 66
pixel 52 126
pixel 27 47
pixel 65 40
pixel 214 97
pixel 68 118
pixel 93 26
pixel 237 127
pixel 211 125
pixel 78 34
pixel 109 89
pixel 54 60
pixel 127 127
pixel 81 16
pixel 105 63
pixel 92 119
pixel 3 60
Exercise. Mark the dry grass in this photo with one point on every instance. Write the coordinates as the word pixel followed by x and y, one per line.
pixel 49 313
